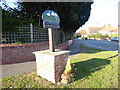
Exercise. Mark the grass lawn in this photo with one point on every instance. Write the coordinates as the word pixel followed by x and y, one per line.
pixel 94 69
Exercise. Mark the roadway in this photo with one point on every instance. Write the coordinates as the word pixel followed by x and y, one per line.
pixel 100 44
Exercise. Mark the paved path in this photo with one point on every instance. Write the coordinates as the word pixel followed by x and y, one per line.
pixel 75 47
pixel 19 68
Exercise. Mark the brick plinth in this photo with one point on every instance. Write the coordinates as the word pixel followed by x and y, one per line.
pixel 51 65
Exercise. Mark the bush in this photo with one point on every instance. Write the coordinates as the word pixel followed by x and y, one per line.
pixel 114 35
pixel 17 43
pixel 98 35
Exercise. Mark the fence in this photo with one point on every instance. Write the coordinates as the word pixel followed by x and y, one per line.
pixel 30 34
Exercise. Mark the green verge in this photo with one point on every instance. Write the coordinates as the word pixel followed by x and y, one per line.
pixel 94 69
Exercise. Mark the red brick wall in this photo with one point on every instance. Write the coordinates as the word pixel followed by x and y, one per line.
pixel 60 63
pixel 15 53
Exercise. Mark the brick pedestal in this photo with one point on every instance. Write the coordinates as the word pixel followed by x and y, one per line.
pixel 51 65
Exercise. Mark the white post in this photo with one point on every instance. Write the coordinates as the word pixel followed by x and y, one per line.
pixel 51 40
pixel 31 31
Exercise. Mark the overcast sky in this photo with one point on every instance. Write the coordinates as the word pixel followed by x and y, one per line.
pixel 103 12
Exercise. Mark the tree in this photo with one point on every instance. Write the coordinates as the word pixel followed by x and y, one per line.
pixel 89 36
pixel 72 14
pixel 9 21
pixel 98 35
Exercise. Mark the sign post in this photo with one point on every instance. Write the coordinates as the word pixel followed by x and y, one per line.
pixel 51 40
pixel 50 21
pixel 52 70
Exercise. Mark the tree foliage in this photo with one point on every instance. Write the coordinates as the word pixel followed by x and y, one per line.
pixel 9 21
pixel 72 14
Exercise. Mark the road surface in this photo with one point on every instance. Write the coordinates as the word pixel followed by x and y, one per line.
pixel 100 44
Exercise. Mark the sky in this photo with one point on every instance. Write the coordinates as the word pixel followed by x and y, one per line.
pixel 10 3
pixel 103 12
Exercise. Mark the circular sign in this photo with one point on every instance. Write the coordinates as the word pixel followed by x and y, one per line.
pixel 50 19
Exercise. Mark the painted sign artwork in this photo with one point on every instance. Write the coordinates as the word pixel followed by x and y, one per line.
pixel 50 19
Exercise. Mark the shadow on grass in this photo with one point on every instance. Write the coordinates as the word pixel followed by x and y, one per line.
pixel 85 68
pixel 89 50
pixel 84 49
pixel 113 56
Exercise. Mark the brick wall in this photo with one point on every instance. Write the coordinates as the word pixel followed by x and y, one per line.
pixel 60 63
pixel 15 53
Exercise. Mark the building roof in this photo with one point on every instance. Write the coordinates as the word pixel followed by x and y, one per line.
pixel 94 29
pixel 109 27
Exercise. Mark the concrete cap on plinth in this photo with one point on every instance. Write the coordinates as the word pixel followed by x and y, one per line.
pixel 57 52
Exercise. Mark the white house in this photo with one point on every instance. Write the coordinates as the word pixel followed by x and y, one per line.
pixel 108 30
